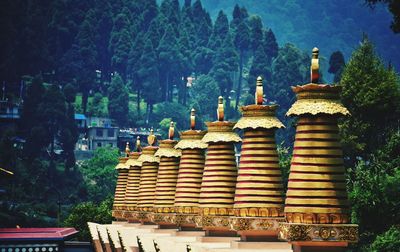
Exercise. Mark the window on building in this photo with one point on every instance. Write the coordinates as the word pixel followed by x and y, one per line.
pixel 98 144
pixel 99 132
pixel 110 132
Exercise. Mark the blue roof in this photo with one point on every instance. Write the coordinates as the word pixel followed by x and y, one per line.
pixel 80 117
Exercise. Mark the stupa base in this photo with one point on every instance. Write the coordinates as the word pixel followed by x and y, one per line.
pixel 313 233
pixel 186 220
pixel 257 228
pixel 138 217
pixel 164 220
pixel 213 222
pixel 118 215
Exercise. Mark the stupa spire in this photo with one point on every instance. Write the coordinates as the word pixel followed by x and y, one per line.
pixel 171 131
pixel 259 95
pixel 138 144
pixel 220 109
pixel 192 119
pixel 315 66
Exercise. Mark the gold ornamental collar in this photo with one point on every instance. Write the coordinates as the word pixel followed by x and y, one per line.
pixel 258 116
pixel 167 149
pixel 148 155
pixel 133 160
pixel 191 139
pixel 220 131
pixel 317 99
pixel 122 163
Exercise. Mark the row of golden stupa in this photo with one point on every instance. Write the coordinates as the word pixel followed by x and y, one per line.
pixel 196 182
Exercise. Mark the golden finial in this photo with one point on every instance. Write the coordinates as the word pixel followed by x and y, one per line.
pixel 171 131
pixel 315 66
pixel 192 119
pixel 127 149
pixel 138 146
pixel 151 139
pixel 259 91
pixel 220 109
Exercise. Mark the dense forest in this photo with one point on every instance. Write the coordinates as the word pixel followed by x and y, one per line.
pixel 145 62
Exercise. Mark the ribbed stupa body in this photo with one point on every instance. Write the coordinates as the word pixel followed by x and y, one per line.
pixel 119 198
pixel 259 188
pixel 132 187
pixel 167 176
pixel 190 175
pixel 148 178
pixel 220 171
pixel 317 187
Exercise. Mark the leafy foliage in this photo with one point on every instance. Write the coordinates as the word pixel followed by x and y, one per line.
pixel 86 212
pixel 99 173
pixel 387 242
pixel 371 92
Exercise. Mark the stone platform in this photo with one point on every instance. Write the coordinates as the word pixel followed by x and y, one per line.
pixel 123 236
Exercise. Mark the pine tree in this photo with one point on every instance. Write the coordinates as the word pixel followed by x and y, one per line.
pixel 220 30
pixel 204 96
pixel 168 57
pixel 270 46
pixel 149 77
pixel 371 93
pixel 256 32
pixel 118 100
pixel 242 42
pixel 87 55
pixel 336 65
pixel 225 65
pixel 121 41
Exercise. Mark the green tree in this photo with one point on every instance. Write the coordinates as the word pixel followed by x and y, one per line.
pixel 388 241
pixel 336 65
pixel 168 58
pixel 86 212
pixel 256 32
pixel 204 97
pixel 69 132
pixel 270 46
pixel 242 42
pixel 118 100
pixel 121 42
pixel 149 77
pixel 220 30
pixel 99 173
pixel 87 54
pixel 53 115
pixel 371 93
pixel 225 65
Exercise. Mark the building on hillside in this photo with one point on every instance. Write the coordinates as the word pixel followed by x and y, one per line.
pixel 102 136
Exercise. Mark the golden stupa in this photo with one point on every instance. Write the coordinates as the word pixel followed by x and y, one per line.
pixel 219 178
pixel 122 179
pixel 316 206
pixel 132 187
pixel 167 174
pixel 148 175
pixel 191 168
